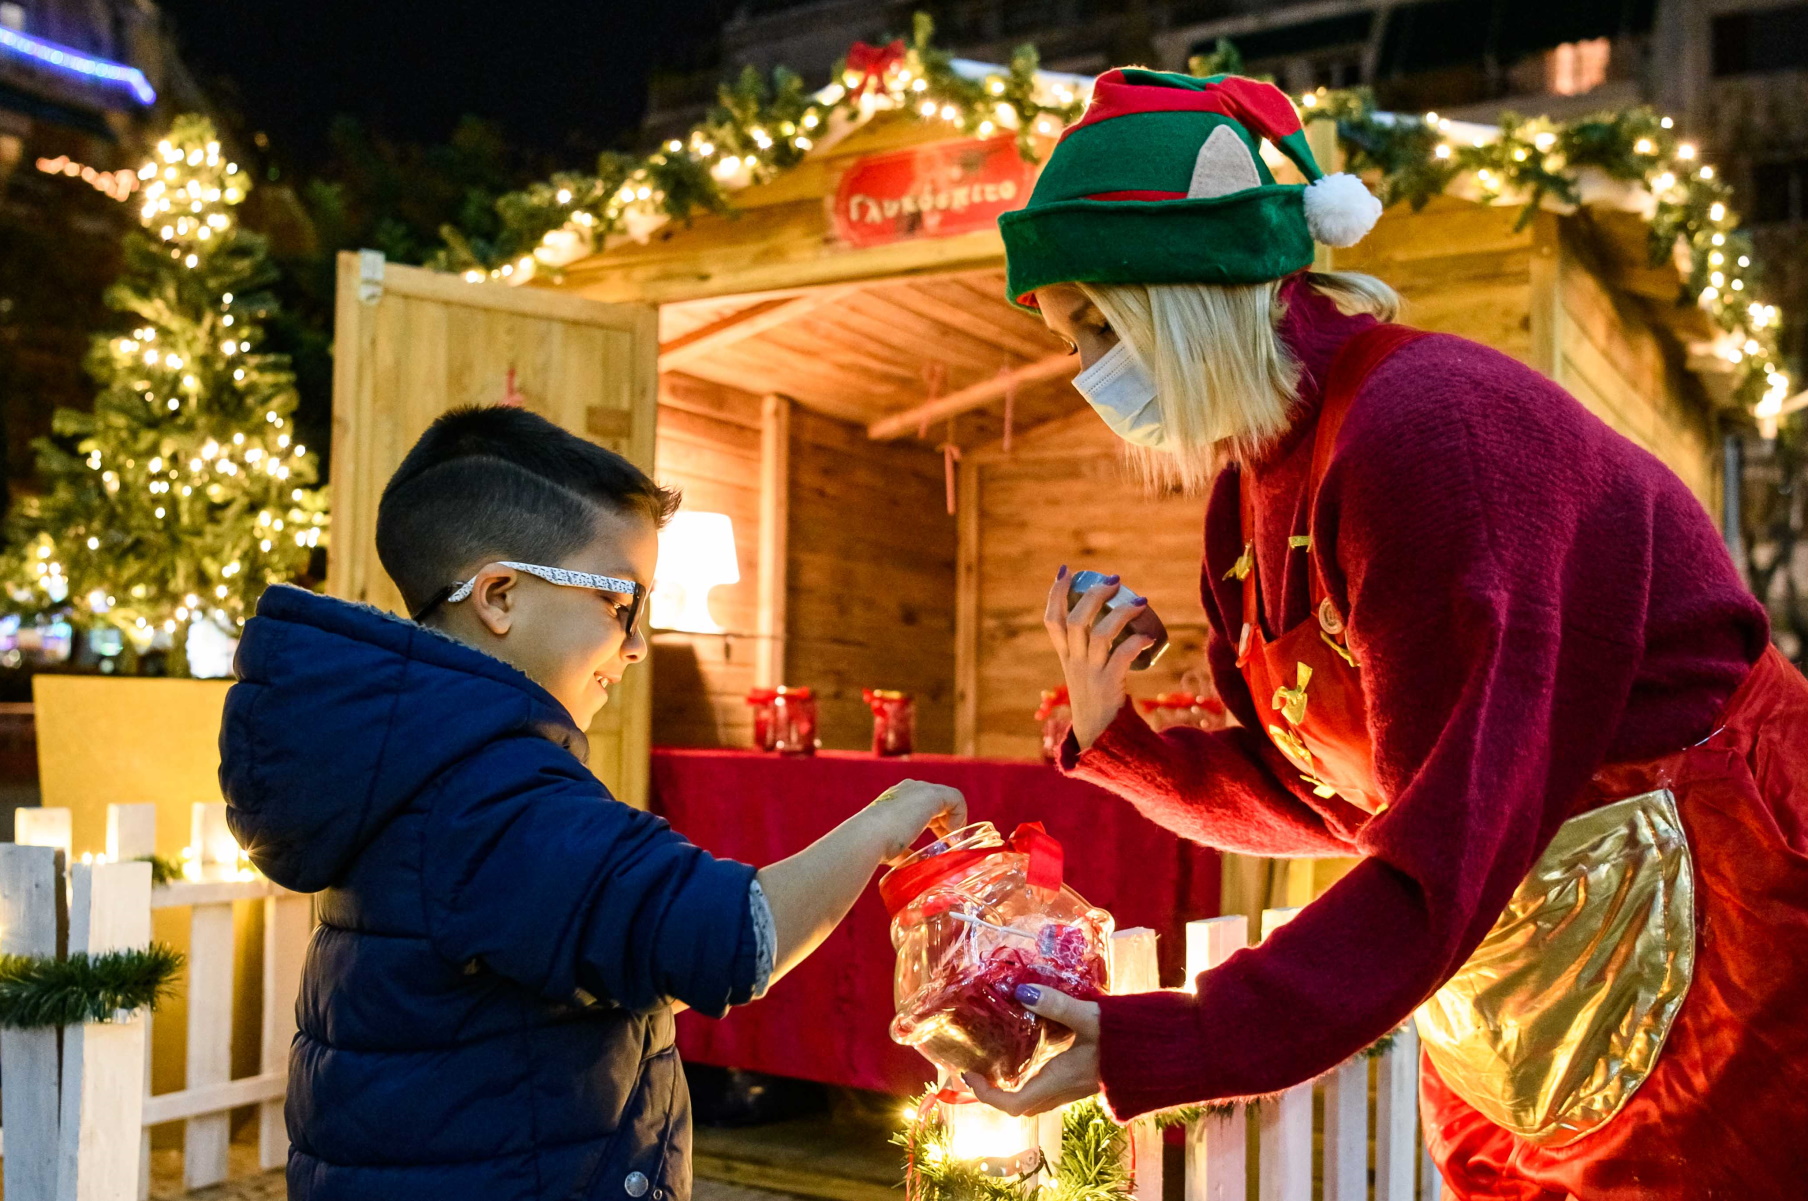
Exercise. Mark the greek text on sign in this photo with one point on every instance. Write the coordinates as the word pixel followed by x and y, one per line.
pixel 935 191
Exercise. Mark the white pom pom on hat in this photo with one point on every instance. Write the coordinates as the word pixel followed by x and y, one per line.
pixel 1340 210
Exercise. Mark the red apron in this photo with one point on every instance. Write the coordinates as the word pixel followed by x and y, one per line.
pixel 1719 1109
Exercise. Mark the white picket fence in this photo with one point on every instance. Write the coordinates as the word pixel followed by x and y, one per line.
pixel 76 1127
pixel 80 1130
pixel 1218 1166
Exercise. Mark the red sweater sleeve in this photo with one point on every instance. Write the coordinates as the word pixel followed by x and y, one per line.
pixel 1493 552
pixel 1214 787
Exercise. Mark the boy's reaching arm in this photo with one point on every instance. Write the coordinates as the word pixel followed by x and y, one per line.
pixel 811 892
pixel 530 871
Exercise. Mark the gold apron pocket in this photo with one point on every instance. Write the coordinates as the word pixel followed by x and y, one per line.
pixel 1558 1017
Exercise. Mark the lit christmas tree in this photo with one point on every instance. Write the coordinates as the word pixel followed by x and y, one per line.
pixel 187 494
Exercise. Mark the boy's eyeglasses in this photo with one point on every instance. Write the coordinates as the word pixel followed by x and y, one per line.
pixel 451 594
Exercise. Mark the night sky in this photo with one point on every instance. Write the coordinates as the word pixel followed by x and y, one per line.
pixel 562 76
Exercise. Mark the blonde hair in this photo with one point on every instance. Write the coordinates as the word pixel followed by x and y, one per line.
pixel 1224 381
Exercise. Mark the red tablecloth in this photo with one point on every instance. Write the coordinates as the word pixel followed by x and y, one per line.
pixel 827 1020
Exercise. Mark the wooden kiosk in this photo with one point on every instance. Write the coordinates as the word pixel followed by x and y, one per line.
pixel 828 359
pixel 834 369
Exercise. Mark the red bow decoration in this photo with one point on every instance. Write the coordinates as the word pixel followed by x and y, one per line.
pixel 871 63
pixel 1047 861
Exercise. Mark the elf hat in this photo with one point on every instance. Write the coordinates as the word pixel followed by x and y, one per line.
pixel 1162 181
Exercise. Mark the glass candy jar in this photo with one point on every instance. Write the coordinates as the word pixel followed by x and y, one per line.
pixel 894 721
pixel 972 918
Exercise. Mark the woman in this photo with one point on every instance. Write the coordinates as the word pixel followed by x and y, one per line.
pixel 1472 636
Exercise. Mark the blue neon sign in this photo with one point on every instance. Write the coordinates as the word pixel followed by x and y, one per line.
pixel 75 62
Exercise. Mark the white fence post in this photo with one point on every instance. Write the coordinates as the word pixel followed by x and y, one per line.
pixel 1134 969
pixel 288 925
pixel 39 827
pixel 31 896
pixel 1397 1118
pixel 1217 1153
pixel 1284 1123
pixel 1431 1183
pixel 1347 1131
pixel 102 1111
pixel 131 835
pixel 207 1139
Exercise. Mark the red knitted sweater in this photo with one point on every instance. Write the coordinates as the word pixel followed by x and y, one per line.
pixel 1530 596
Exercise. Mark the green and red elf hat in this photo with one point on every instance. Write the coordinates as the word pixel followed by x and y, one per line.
pixel 1162 181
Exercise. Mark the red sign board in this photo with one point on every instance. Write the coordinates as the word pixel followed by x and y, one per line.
pixel 934 191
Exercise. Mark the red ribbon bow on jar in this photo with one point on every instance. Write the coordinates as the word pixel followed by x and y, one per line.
pixel 871 63
pixel 1047 861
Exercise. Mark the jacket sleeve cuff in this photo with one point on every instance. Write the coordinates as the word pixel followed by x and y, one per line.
pixel 1151 1054
pixel 1125 741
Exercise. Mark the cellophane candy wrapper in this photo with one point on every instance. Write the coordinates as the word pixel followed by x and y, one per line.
pixel 972 918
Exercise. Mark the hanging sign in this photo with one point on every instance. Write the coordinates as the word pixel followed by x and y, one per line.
pixel 934 191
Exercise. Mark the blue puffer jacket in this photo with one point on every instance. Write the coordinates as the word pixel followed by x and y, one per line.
pixel 485 1009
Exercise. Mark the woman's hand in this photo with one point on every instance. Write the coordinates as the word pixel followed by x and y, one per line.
pixel 901 812
pixel 1095 673
pixel 1070 1076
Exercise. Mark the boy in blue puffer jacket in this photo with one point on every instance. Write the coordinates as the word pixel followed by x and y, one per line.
pixel 486 1010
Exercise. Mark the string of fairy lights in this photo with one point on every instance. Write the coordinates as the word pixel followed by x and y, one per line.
pixel 1633 159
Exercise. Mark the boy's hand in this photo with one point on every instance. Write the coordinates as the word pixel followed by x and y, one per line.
pixel 901 812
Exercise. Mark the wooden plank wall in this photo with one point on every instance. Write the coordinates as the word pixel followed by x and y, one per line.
pixel 870 566
pixel 1611 360
pixel 709 445
pixel 1064 496
pixel 1462 268
pixel 871 589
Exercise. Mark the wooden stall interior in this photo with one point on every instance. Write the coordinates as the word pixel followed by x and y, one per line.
pixel 827 424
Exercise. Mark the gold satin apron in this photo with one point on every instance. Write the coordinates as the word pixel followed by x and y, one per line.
pixel 1559 1015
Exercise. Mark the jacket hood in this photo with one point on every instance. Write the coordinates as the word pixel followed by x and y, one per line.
pixel 342 714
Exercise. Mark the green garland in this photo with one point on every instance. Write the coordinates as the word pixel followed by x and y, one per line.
pixel 1532 160
pixel 759 129
pixel 163 871
pixel 1092 1165
pixel 37 992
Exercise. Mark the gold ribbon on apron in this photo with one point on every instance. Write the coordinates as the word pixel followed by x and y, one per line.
pixel 1559 1015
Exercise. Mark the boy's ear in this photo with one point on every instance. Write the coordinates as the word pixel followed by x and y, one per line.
pixel 493 599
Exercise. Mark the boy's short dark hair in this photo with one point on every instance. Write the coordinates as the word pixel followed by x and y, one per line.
pixel 501 483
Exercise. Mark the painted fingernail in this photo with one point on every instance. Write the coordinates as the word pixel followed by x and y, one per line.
pixel 1062 574
pixel 1111 579
pixel 1139 602
pixel 1029 994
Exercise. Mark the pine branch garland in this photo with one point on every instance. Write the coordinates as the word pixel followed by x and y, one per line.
pixel 163 871
pixel 1092 1165
pixel 38 992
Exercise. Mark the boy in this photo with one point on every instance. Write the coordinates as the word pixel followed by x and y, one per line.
pixel 486 1010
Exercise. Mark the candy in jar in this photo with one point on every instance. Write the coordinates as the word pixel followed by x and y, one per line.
pixel 974 917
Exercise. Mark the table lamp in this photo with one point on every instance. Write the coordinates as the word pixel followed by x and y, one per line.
pixel 696 553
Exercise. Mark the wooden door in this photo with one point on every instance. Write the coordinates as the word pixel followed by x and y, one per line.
pixel 412 344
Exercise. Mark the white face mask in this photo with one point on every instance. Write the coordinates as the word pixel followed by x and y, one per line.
pixel 1121 392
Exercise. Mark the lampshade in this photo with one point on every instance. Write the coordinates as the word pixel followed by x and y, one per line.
pixel 696 553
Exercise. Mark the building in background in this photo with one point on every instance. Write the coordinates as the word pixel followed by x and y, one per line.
pixel 83 84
